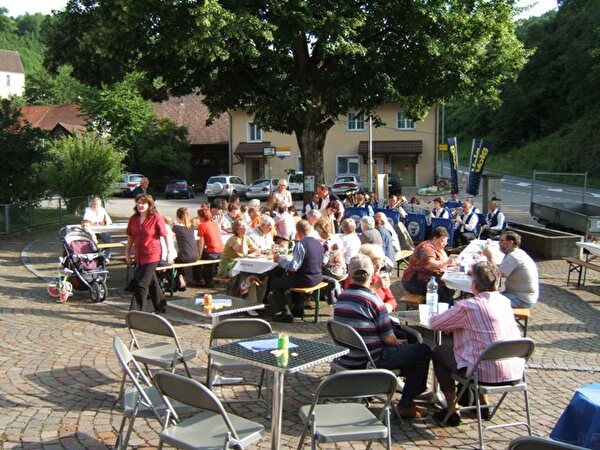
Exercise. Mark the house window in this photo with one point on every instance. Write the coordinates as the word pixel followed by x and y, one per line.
pixel 254 133
pixel 356 122
pixel 8 80
pixel 348 164
pixel 403 122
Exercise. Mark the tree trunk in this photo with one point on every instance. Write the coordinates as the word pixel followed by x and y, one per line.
pixel 311 140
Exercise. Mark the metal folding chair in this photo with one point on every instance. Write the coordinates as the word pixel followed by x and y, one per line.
pixel 211 427
pixel 235 329
pixel 501 350
pixel 340 420
pixel 142 400
pixel 538 443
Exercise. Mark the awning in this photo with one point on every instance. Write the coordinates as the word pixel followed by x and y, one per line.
pixel 391 147
pixel 251 148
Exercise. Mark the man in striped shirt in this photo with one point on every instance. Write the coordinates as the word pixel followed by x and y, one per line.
pixel 360 308
pixel 476 323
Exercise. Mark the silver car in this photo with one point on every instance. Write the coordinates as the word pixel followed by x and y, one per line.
pixel 127 183
pixel 224 186
pixel 262 188
pixel 343 183
pixel 296 184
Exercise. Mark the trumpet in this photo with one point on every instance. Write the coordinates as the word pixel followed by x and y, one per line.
pixel 456 212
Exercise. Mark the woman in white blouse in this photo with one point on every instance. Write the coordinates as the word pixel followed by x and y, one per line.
pixel 282 195
pixel 96 214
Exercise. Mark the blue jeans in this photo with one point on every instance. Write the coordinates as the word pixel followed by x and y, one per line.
pixel 413 362
pixel 516 301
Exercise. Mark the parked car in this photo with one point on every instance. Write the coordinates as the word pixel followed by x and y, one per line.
pixel 394 184
pixel 261 188
pixel 343 183
pixel 179 188
pixel 128 183
pixel 296 184
pixel 224 186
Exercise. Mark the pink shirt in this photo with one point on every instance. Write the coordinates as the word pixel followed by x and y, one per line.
pixel 478 322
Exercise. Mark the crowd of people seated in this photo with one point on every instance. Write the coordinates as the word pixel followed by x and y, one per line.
pixel 318 244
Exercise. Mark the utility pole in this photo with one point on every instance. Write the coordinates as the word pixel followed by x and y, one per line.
pixel 370 156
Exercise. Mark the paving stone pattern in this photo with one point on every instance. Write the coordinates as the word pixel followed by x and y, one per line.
pixel 59 378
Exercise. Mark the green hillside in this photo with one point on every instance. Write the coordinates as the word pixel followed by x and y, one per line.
pixel 550 115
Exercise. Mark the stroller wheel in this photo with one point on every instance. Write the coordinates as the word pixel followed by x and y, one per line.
pixel 98 291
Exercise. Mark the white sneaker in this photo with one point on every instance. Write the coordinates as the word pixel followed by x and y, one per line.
pixel 252 312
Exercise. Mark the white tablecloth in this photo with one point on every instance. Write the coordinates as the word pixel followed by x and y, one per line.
pixel 591 247
pixel 253 265
pixel 112 228
pixel 455 279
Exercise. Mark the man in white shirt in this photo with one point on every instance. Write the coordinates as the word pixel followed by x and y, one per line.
pixel 326 198
pixel 522 283
pixel 495 222
pixel 466 224
pixel 262 235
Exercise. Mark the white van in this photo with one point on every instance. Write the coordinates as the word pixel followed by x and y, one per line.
pixel 296 184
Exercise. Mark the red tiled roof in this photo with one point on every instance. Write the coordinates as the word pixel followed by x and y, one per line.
pixel 47 117
pixel 189 111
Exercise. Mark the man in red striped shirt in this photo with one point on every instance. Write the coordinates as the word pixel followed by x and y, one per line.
pixel 476 323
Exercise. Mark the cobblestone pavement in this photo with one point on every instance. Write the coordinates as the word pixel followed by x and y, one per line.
pixel 59 377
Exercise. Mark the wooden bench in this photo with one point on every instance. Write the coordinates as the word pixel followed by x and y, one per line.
pixel 309 292
pixel 522 316
pixel 581 267
pixel 222 280
pixel 173 268
pixel 402 259
pixel 412 300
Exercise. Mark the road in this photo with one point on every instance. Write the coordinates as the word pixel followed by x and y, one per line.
pixel 516 191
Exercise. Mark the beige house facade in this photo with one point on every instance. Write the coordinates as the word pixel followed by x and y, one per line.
pixel 401 146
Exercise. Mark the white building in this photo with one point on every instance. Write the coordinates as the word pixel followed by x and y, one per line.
pixel 12 76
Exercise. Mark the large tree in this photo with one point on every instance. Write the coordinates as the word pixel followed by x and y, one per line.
pixel 297 65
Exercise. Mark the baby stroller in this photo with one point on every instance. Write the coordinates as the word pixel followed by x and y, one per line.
pixel 85 263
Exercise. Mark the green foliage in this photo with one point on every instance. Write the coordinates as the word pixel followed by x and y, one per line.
pixel 23 155
pixel 161 153
pixel 82 165
pixel 542 121
pixel 120 112
pixel 295 65
pixel 44 89
pixel 22 35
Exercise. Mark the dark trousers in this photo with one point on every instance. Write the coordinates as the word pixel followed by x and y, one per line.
pixel 413 362
pixel 280 286
pixel 490 234
pixel 209 272
pixel 463 238
pixel 415 286
pixel 147 283
pixel 444 365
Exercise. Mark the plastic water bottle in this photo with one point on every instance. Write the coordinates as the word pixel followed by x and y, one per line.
pixel 431 297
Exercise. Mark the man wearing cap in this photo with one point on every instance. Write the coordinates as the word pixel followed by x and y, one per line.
pixel 495 222
pixel 364 311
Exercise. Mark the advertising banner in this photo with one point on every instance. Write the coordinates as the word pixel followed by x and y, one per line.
pixel 453 153
pixel 479 153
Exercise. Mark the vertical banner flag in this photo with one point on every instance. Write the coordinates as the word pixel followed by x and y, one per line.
pixel 453 152
pixel 479 153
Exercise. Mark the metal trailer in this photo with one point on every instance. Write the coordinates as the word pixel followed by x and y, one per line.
pixel 582 218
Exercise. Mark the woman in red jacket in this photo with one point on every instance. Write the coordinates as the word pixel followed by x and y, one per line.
pixel 144 230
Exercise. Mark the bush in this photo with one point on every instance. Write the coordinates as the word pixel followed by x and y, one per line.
pixel 83 165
